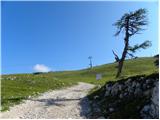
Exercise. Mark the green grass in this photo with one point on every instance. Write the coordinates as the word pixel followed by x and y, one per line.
pixel 13 91
pixel 24 85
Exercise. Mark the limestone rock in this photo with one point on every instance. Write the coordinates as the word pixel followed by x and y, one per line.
pixel 138 85
pixel 101 117
pixel 120 87
pixel 107 93
pixel 136 88
pixel 121 96
pixel 111 109
pixel 138 91
pixel 133 84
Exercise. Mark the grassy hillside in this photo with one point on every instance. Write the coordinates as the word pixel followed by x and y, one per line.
pixel 17 87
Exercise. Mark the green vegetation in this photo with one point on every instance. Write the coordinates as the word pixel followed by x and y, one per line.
pixel 24 85
pixel 17 87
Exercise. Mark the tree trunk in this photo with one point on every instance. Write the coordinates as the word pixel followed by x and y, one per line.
pixel 120 65
pixel 126 41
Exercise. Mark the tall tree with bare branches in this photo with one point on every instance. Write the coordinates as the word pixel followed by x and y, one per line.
pixel 130 24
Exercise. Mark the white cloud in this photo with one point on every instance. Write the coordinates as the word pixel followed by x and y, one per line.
pixel 41 68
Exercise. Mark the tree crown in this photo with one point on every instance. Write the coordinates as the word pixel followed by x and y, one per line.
pixel 136 21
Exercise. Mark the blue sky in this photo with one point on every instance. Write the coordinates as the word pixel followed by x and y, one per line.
pixel 61 35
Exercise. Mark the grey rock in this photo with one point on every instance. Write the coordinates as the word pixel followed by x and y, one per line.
pixel 130 89
pixel 120 87
pixel 128 82
pixel 107 93
pixel 138 85
pixel 121 96
pixel 148 86
pixel 147 93
pixel 145 112
pixel 133 84
pixel 125 94
pixel 108 87
pixel 115 89
pixel 101 117
pixel 114 92
pixel 138 91
pixel 148 81
pixel 155 101
pixel 111 109
pixel 95 97
pixel 116 85
pixel 144 86
pixel 146 108
pixel 151 111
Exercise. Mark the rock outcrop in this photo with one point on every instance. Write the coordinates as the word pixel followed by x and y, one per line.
pixel 151 110
pixel 134 97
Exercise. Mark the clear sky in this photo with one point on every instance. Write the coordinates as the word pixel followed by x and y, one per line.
pixel 61 35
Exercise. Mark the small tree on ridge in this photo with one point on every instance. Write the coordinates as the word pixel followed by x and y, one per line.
pixel 130 23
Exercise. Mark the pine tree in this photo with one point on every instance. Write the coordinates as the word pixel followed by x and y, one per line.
pixel 130 24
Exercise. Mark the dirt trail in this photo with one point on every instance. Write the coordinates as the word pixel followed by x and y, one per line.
pixel 65 103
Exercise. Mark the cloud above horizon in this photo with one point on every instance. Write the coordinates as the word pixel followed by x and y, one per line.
pixel 41 68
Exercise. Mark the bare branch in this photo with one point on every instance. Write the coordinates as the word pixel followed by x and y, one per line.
pixel 116 56
pixel 131 55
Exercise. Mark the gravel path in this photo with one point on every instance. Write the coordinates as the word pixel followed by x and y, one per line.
pixel 63 104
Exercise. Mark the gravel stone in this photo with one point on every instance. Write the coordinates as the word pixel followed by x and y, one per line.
pixel 63 104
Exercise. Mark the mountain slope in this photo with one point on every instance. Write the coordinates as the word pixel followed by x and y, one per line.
pixel 17 87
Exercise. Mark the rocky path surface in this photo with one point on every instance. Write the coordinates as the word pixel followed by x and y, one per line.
pixel 65 103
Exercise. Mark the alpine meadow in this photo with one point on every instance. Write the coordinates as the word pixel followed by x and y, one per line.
pixel 80 60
